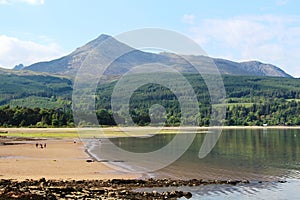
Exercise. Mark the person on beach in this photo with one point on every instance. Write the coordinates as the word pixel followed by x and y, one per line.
pixel 45 145
pixel 37 145
pixel 41 145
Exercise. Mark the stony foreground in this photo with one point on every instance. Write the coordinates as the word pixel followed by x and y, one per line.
pixel 98 189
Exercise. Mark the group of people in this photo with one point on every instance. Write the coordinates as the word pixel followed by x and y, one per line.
pixel 42 146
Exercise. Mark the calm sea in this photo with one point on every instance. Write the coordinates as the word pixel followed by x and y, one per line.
pixel 262 156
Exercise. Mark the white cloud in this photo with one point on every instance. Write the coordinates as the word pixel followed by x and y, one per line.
pixel 268 38
pixel 30 2
pixel 34 2
pixel 14 51
pixel 189 19
pixel 3 1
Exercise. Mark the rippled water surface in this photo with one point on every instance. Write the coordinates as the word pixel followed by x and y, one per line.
pixel 266 155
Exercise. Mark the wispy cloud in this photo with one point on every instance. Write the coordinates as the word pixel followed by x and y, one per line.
pixel 281 2
pixel 269 38
pixel 188 18
pixel 29 2
pixel 14 51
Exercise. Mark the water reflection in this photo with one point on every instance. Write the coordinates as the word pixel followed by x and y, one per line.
pixel 242 154
pixel 239 153
pixel 252 154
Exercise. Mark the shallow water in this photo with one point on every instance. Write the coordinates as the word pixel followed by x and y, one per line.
pixel 266 155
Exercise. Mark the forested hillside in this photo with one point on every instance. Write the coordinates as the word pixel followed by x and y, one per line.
pixel 32 89
pixel 44 101
pixel 251 101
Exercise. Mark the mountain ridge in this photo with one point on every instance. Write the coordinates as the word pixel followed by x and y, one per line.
pixel 69 64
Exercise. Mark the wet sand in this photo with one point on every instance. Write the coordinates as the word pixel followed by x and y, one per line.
pixel 61 159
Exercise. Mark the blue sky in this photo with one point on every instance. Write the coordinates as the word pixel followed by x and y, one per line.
pixel 268 31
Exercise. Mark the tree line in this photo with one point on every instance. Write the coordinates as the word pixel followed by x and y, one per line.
pixel 272 112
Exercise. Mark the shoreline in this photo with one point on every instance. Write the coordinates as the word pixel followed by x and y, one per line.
pixel 60 160
pixel 56 129
pixel 64 159
pixel 111 189
pixel 114 131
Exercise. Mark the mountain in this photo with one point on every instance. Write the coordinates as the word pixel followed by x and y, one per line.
pixel 18 67
pixel 251 68
pixel 69 64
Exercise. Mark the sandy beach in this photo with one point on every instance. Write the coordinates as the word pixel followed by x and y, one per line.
pixel 61 159
pixel 61 170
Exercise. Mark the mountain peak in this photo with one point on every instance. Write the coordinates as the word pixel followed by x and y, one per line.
pixel 103 37
pixel 19 67
pixel 94 43
pixel 69 64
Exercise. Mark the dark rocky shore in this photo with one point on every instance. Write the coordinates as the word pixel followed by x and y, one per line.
pixel 99 189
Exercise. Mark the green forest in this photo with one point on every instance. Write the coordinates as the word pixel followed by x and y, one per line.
pixel 45 101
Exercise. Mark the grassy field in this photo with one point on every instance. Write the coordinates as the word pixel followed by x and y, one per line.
pixel 65 133
pixel 37 102
pixel 39 132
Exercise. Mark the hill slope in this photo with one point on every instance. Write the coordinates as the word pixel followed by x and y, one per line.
pixel 23 88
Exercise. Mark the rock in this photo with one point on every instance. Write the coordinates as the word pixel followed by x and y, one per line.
pixel 173 194
pixel 246 181
pixel 282 181
pixel 154 193
pixel 42 180
pixel 187 195
pixel 111 194
pixel 99 189
pixel 123 192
